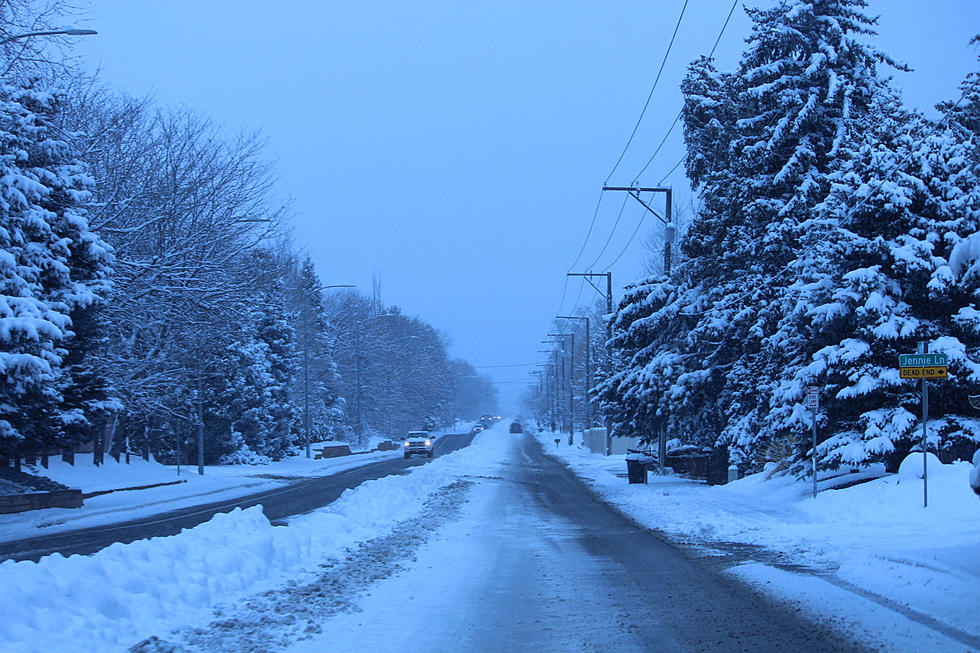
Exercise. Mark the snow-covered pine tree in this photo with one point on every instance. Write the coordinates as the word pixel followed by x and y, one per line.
pixel 763 145
pixel 52 268
pixel 315 338
pixel 246 400
pixel 276 332
pixel 892 269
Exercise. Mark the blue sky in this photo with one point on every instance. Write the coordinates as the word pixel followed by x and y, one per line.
pixel 456 149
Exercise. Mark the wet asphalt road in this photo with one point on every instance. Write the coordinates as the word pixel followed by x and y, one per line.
pixel 535 562
pixel 674 600
pixel 278 503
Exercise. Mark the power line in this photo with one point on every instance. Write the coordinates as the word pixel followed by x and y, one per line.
pixel 723 27
pixel 484 367
pixel 595 214
pixel 611 234
pixel 671 171
pixel 625 247
pixel 662 141
pixel 681 112
pixel 650 95
pixel 578 298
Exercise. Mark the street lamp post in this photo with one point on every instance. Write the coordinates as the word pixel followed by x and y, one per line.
pixel 55 32
pixel 71 31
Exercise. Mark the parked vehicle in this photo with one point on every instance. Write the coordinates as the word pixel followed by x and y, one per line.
pixel 418 443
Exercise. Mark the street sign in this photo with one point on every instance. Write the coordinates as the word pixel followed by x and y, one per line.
pixel 812 401
pixel 923 360
pixel 923 372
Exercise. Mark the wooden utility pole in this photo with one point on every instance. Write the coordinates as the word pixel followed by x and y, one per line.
pixel 608 294
pixel 588 412
pixel 571 383
pixel 669 233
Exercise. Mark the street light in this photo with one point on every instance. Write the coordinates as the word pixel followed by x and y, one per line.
pixel 306 362
pixel 71 31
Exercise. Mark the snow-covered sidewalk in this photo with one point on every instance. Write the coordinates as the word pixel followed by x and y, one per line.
pixel 184 489
pixel 874 540
pixel 114 598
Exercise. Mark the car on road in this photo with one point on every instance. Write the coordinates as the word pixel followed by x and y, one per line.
pixel 515 427
pixel 418 443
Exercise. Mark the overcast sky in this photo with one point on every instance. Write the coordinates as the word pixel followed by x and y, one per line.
pixel 456 149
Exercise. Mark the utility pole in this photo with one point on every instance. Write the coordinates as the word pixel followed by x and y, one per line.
pixel 669 233
pixel 559 380
pixel 670 230
pixel 571 384
pixel 553 393
pixel 589 411
pixel 588 277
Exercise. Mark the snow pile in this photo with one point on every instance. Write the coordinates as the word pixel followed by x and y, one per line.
pixel 121 594
pixel 876 535
pixel 87 477
pixel 975 472
pixel 219 483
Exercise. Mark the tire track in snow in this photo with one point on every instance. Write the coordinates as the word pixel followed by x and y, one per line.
pixel 276 619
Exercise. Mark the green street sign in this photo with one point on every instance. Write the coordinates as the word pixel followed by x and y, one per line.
pixel 922 360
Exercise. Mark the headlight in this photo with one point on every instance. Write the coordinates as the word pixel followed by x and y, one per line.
pixel 428 443
pixel 406 443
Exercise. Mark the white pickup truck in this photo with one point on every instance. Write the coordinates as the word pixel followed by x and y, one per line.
pixel 418 443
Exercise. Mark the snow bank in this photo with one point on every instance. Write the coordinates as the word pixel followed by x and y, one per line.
pixel 122 594
pixel 219 483
pixel 876 535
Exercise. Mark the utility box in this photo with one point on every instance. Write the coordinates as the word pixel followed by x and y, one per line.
pixel 595 440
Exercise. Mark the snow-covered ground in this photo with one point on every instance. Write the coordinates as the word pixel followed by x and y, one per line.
pixel 127 592
pixel 871 542
pixel 186 488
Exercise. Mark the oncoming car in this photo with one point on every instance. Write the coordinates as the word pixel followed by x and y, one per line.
pixel 418 443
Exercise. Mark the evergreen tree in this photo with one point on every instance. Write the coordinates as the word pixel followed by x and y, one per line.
pixel 765 144
pixel 893 271
pixel 53 270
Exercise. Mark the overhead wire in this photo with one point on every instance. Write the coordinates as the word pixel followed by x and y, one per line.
pixel 611 233
pixel 659 147
pixel 595 213
pixel 671 171
pixel 663 141
pixel 646 104
pixel 628 242
pixel 680 113
pixel 578 298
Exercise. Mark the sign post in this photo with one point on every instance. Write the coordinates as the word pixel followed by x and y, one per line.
pixel 923 365
pixel 813 403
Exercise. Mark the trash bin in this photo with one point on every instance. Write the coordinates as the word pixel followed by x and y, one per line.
pixel 636 470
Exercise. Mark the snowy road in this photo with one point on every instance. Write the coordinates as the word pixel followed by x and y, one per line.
pixel 533 562
pixel 277 504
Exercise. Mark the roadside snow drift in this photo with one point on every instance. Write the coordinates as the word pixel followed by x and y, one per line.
pixel 116 597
